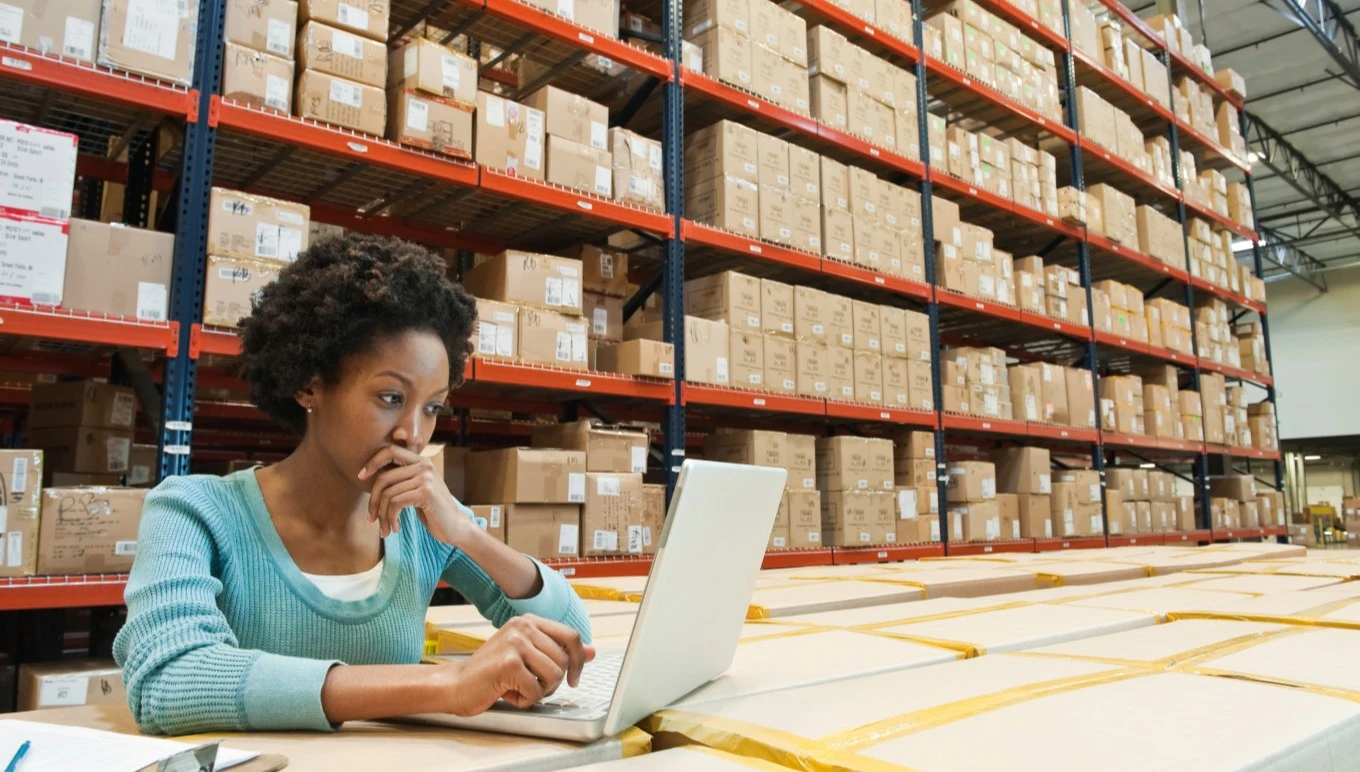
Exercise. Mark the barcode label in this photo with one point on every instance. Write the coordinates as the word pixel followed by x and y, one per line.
pixel 125 548
pixel 350 16
pixel 18 481
pixel 607 486
pixel 279 37
pixel 552 292
pixel 607 541
pixel 567 538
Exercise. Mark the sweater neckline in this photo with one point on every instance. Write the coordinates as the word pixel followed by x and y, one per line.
pixel 356 610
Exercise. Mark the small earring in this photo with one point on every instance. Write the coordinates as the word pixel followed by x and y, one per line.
pixel 309 409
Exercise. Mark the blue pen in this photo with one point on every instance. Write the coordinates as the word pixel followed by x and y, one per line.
pixel 18 757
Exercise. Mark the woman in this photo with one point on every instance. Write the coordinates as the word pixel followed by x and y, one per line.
pixel 293 596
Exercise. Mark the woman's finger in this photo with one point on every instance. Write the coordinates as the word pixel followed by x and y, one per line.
pixel 384 481
pixel 387 510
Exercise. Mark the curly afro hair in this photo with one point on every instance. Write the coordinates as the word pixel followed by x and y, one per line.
pixel 341 296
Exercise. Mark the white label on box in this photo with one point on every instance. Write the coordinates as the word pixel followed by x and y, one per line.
pixel 1069 524
pixel 935 529
pixel 124 409
pixel 347 93
pixel 279 37
pixel 606 266
pixel 346 44
pixel 567 538
pixel 600 321
pixel 818 329
pixel 790 384
pixel 607 541
pixel 722 369
pixel 125 547
pixel 78 38
pixel 563 353
pixel 276 92
pixel 598 134
pixel 533 142
pixel 1031 408
pixel 576 487
pixel 571 292
pixel 566 9
pixel 847 338
pixel 18 480
pixel 486 338
pixel 417 114
pixel 654 157
pixel 755 378
pixel 646 536
pixel 1048 529
pixel 4 519
pixel 638 457
pixel 350 16
pixel 552 291
pixel 989 487
pixel 117 452
pixel 495 517
pixel 635 543
pixel 152 298
pixel 14 549
pixel 11 23
pixel 495 116
pixel 604 181
pixel 1096 526
pixel 152 27
pixel 62 690
pixel 992 528
pixel 1094 492
pixel 607 486
pixel 579 351
pixel 906 503
pixel 450 72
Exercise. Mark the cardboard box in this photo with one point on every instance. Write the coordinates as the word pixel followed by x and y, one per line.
pixel 509 136
pixel 545 530
pixel 496 333
pixel 605 316
pixel 21 475
pixel 608 448
pixel 571 117
pixel 1238 487
pixel 526 475
pixel 580 167
pixel 551 338
pixel 81 403
pixel 753 447
pixel 327 50
pixel 32 153
pixel 83 449
pixel 430 123
pixel 726 202
pixel 434 69
pixel 972 481
pixel 650 358
pixel 805 518
pixel 701 15
pixel 852 518
pixel 814 368
pixel 653 520
pixel 264 25
pixel 34 249
pixel 727 56
pixel 746 368
pixel 143 39
pixel 1023 470
pixel 341 102
pixel 528 278
pixel 257 78
pixel 117 270
pixel 637 169
pixel 869 377
pixel 729 296
pixel 840 374
pixel 89 530
pixel 1035 516
pixel 69 683
pixel 779 532
pixel 67 29
pixel 866 323
pixel 976 521
pixel 369 18
pixel 604 271
pixel 781 365
pixel 854 463
pixel 250 226
pixel 1081 398
pixel 613 502
pixel 231 285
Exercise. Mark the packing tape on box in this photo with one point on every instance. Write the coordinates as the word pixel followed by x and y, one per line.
pixel 966 650
pixel 732 758
pixel 837 752
pixel 454 642
pixel 634 742
pixel 596 592
pixel 1219 648
pixel 1278 619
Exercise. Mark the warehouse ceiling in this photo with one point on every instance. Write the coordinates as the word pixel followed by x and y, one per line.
pixel 1297 88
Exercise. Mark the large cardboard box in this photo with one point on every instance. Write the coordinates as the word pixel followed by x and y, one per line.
pixel 68 683
pixel 231 285
pixel 81 403
pixel 604 270
pixel 89 530
pixel 747 446
pixel 264 25
pixel 613 502
pixel 526 476
pixel 853 518
pixel 1023 470
pixel 83 449
pixel 854 463
pixel 781 365
pixel 257 78
pixel 650 358
pixel 37 177
pixel 747 360
pixel 707 347
pixel 572 117
pixel 580 167
pixel 251 226
pixel 605 315
pixel 33 249
pixel 491 518
pixel 1239 487
pixel 800 457
pixel 731 297
pixel 779 532
pixel 551 338
pixel 369 18
pixel 1081 398
pixel 776 308
pixel 653 519
pixel 805 518
pixel 330 51
pixel 509 137
pixel 117 270
pixel 976 521
pixel 608 448
pixel 496 333
pixel 545 530
pixel 1035 513
pixel 840 376
pixel 869 381
pixel 430 123
pixel 727 202
pixel 638 178
pixel 66 29
pixel 21 474
pixel 531 279
pixel 434 69
pixel 143 467
pixel 972 481
pixel 143 38
pixel 814 369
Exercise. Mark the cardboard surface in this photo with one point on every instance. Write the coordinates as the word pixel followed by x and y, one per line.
pixel 117 270
pixel 526 475
pixel 76 403
pixel 70 683
pixel 89 530
pixel 242 225
pixel 139 38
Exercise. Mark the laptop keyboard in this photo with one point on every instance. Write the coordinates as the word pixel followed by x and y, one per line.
pixel 596 689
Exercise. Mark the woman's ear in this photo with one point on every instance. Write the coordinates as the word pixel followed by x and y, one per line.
pixel 309 396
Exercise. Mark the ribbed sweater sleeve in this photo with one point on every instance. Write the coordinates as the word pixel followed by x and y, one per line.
pixel 182 667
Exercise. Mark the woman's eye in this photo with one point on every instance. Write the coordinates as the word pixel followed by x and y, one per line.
pixel 433 409
pixel 391 399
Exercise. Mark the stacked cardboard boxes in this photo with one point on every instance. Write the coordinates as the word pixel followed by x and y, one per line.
pixel 798 524
pixel 35 219
pixel 612 516
pixel 138 38
pixel 990 49
pixel 432 92
pixel 855 476
pixel 342 58
pixel 541 297
pixel 976 382
pixel 1169 323
pixel 257 59
pixel 1232 502
pixel 973 512
pixel 859 93
pixel 577 141
pixel 118 270
pixel 510 136
pixel 83 427
pixel 1214 333
pixel 250 239
pixel 754 45
pixel 637 169
pixel 1261 426
pixel 1024 483
pixel 1271 509
pixel 1076 508
pixel 21 473
pixel 1159 236
pixel 88 530
pixel 542 492
pixel 914 475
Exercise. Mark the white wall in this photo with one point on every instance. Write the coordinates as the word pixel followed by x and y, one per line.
pixel 1315 342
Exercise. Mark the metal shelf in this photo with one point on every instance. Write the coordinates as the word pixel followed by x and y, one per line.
pixel 1132 256
pixel 1188 537
pixel 856 411
pixel 1001 427
pixel 847 556
pixel 1133 540
pixel 1259 379
pixel 981 102
pixel 538 378
pixel 50 592
pixel 84 327
pixel 1212 155
pixel 1237 533
pixel 744 399
pixel 1110 168
pixel 1227 295
pixel 875 39
pixel 1146 112
pixel 100 84
pixel 1218 221
pixel 961 549
pixel 1078 543
pixel 1001 213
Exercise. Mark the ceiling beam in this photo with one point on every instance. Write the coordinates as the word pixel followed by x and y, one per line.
pixel 1320 125
pixel 1275 152
pixel 1278 253
pixel 1330 27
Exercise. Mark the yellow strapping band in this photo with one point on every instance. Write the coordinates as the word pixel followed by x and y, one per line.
pixel 907 723
pixel 454 642
pixel 634 742
pixel 1054 580
pixel 596 592
pixel 1341 624
pixel 966 650
pixel 735 759
pixel 1225 646
pixel 1322 689
pixel 671 728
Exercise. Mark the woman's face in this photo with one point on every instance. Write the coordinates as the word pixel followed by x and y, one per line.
pixel 390 395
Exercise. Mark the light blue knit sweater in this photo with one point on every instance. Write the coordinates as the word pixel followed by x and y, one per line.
pixel 224 633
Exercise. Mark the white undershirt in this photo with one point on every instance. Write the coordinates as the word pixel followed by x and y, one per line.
pixel 349 587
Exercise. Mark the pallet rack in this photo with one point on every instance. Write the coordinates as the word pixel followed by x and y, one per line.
pixel 468 208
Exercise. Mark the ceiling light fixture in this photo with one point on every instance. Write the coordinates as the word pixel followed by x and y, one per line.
pixel 1312 458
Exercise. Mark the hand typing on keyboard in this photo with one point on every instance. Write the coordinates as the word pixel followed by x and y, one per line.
pixel 525 661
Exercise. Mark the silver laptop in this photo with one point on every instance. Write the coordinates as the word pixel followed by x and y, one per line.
pixel 690 619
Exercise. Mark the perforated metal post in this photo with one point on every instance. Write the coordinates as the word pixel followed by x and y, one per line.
pixel 673 269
